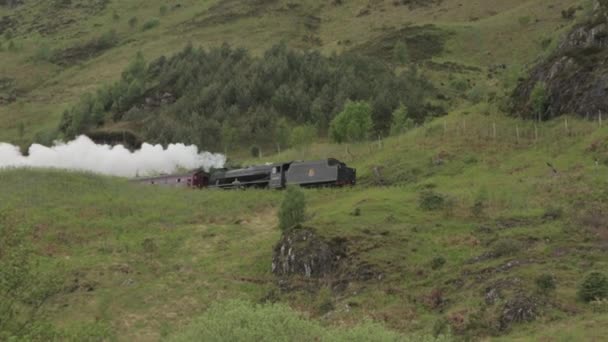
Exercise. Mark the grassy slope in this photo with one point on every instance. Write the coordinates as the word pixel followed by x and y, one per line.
pixel 213 245
pixel 483 33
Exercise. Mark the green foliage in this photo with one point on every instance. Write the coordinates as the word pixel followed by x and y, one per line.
pixel 524 21
pixel 302 136
pixel 353 124
pixel 400 53
pixel 593 287
pixel 115 16
pixel 401 121
pixel 459 84
pixel 163 10
pixel 480 203
pixel 242 321
pixel 437 262
pixel 261 98
pixel 255 151
pixel 8 34
pixel 133 22
pixel 43 53
pixel 150 24
pixel 545 283
pixel 539 100
pixel 478 93
pixel 293 209
pixel 430 200
pixel 506 247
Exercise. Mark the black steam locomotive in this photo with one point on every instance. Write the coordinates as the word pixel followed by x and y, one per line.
pixel 328 172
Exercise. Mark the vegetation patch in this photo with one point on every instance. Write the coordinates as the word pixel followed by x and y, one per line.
pixel 423 43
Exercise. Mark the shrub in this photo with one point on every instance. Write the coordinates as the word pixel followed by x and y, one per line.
pixel 430 200
pixel 539 99
pixel 401 121
pixel 480 203
pixel 302 136
pixel 553 213
pixel 150 24
pixel 133 22
pixel 569 13
pixel 437 262
pixel 595 286
pixel 353 124
pixel 8 34
pixel 255 151
pixel 505 247
pixel 163 10
pixel 524 21
pixel 477 94
pixel 293 208
pixel 241 321
pixel 545 283
pixel 400 53
pixel 115 16
pixel 459 84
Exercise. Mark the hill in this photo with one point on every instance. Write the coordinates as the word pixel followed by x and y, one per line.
pixel 455 239
pixel 55 52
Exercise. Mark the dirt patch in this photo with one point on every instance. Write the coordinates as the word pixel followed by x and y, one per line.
pixel 423 43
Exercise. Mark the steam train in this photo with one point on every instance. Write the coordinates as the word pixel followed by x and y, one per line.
pixel 328 172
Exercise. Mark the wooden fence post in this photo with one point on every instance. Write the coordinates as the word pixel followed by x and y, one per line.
pixel 517 132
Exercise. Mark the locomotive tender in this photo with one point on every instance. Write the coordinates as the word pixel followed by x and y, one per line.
pixel 328 172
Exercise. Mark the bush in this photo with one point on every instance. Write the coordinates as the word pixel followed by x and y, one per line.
pixel 150 24
pixel 241 321
pixel 430 200
pixel 302 136
pixel 545 283
pixel 477 94
pixel 553 213
pixel 524 21
pixel 594 287
pixel 437 262
pixel 506 247
pixel 133 22
pixel 353 124
pixel 401 121
pixel 163 10
pixel 539 99
pixel 255 151
pixel 293 209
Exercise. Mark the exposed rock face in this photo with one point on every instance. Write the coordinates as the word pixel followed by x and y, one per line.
pixel 576 75
pixel 301 252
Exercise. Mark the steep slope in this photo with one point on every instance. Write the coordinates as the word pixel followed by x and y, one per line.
pixel 455 239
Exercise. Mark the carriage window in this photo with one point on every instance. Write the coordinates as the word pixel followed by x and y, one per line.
pixel 179 180
pixel 275 170
pixel 152 182
pixel 311 172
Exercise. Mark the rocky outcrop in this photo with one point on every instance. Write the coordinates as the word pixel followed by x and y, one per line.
pixel 575 76
pixel 302 252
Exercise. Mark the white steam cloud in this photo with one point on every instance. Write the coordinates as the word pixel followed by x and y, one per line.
pixel 84 155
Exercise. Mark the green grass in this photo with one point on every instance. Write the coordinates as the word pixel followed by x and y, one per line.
pixel 212 246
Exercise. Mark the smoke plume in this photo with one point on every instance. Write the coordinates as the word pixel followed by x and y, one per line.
pixel 84 155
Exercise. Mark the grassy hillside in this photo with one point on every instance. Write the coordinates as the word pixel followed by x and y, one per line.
pixel 142 262
pixel 56 50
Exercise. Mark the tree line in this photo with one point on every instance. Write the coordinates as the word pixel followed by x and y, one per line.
pixel 225 97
